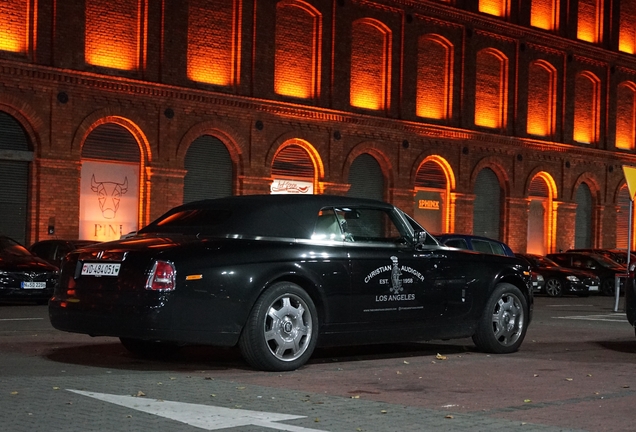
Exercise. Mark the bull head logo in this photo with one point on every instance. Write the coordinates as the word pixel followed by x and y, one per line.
pixel 109 194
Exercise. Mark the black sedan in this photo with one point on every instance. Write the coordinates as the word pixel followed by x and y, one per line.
pixel 24 277
pixel 606 269
pixel 560 280
pixel 280 274
pixel 54 250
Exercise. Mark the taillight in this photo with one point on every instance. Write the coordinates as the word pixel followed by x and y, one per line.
pixel 162 277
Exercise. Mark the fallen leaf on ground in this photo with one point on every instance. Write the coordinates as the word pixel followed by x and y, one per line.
pixel 440 357
pixel 140 394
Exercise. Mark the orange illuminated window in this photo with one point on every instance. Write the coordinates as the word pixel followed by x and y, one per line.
pixel 626 29
pixel 544 14
pixel 298 45
pixel 14 25
pixel 434 77
pixel 541 99
pixel 114 32
pixel 494 7
pixel 586 108
pixel 214 40
pixel 491 89
pixel 590 23
pixel 370 64
pixel 626 116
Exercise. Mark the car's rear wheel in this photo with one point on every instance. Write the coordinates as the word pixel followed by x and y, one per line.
pixel 148 348
pixel 554 288
pixel 503 325
pixel 281 331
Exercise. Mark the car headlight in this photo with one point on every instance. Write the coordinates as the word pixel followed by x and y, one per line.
pixel 539 277
pixel 572 278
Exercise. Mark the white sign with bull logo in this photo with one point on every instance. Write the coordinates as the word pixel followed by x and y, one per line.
pixel 109 200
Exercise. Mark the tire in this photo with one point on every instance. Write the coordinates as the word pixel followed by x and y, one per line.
pixel 504 322
pixel 607 287
pixel 150 349
pixel 281 331
pixel 553 288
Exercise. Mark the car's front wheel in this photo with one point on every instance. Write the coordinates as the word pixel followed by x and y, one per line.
pixel 504 322
pixel 554 288
pixel 281 331
pixel 608 287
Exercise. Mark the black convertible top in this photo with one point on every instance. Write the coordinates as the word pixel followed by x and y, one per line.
pixel 290 216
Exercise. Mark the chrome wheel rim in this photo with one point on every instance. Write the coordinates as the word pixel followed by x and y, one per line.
pixel 553 287
pixel 288 329
pixel 508 319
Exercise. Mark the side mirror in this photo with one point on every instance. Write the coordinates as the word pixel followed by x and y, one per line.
pixel 420 238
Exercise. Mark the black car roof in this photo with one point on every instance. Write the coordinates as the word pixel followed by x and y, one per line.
pixel 264 215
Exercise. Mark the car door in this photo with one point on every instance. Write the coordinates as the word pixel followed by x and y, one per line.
pixel 391 282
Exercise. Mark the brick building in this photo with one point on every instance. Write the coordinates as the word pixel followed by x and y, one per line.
pixel 494 117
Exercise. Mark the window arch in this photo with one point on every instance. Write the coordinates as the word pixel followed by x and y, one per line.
pixel 498 8
pixel 296 168
pixel 541 218
pixel 622 218
pixel 491 89
pixel 112 36
pixel 586 108
pixel 210 171
pixel 366 178
pixel 544 14
pixel 214 41
pixel 590 20
pixel 434 77
pixel 626 29
pixel 370 64
pixel 433 183
pixel 14 24
pixel 541 99
pixel 626 121
pixel 297 49
pixel 583 223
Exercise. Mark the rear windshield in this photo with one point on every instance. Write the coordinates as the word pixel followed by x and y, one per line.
pixel 189 220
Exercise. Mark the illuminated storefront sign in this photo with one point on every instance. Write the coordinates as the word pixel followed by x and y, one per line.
pixel 286 186
pixel 109 200
pixel 428 210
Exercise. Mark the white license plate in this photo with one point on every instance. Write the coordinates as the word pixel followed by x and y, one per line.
pixel 593 288
pixel 100 269
pixel 33 285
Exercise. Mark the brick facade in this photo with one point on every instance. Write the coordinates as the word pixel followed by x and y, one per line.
pixel 58 96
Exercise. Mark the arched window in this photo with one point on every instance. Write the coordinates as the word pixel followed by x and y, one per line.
pixel 590 20
pixel 14 26
pixel 110 183
pixel 434 77
pixel 583 223
pixel 294 170
pixel 365 178
pixel 432 197
pixel 487 207
pixel 297 50
pixel 541 99
pixel 494 7
pixel 14 178
pixel 209 170
pixel 214 41
pixel 370 65
pixel 540 195
pixel 626 28
pixel 113 36
pixel 622 218
pixel 544 14
pixel 586 108
pixel 626 121
pixel 491 92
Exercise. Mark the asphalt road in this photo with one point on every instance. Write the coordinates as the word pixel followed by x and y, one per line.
pixel 575 371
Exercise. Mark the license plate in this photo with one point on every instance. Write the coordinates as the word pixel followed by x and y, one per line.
pixel 593 288
pixel 33 285
pixel 100 269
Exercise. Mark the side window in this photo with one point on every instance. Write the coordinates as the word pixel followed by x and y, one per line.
pixel 497 248
pixel 457 243
pixel 368 225
pixel 327 226
pixel 482 246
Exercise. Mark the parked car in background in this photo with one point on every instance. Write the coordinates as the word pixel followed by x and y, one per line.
pixel 630 296
pixel 604 268
pixel 279 274
pixel 54 250
pixel 475 243
pixel 618 255
pixel 559 280
pixel 24 276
